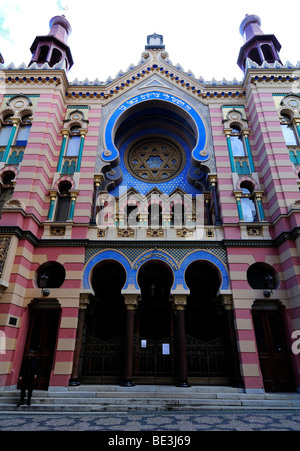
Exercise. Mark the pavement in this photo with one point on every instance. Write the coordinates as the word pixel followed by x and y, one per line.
pixel 206 420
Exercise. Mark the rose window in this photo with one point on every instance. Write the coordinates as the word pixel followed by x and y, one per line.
pixel 155 160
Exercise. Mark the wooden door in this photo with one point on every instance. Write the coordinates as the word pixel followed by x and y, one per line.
pixel 41 337
pixel 273 351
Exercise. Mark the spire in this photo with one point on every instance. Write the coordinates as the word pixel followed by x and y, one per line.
pixel 258 47
pixel 53 48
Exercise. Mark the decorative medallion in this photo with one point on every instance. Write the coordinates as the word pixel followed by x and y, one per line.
pixel 155 160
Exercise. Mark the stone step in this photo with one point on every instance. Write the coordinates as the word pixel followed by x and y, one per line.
pixel 83 399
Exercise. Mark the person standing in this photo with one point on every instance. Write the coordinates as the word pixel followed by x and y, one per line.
pixel 28 374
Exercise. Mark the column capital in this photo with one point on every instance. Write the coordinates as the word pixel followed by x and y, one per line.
pixel 131 301
pixel 227 301
pixel 84 301
pixel 53 194
pixel 65 132
pixel 83 132
pixel 258 195
pixel 74 194
pixel 237 194
pixel 98 179
pixel 296 120
pixel 227 132
pixel 179 300
pixel 16 121
pixel 246 131
pixel 212 178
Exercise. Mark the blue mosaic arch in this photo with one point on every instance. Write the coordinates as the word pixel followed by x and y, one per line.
pixel 202 255
pixel 158 255
pixel 155 255
pixel 107 255
pixel 111 155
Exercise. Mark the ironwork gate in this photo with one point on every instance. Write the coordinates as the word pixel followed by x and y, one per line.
pixel 153 360
pixel 102 361
pixel 207 361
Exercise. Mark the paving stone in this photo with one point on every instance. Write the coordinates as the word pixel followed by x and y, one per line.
pixel 160 421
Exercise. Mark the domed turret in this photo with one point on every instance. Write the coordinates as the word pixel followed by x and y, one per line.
pixel 53 48
pixel 258 47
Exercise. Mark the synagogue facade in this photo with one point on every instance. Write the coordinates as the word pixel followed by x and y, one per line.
pixel 150 224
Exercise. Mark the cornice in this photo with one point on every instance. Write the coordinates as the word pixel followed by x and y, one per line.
pixel 155 63
pixel 26 234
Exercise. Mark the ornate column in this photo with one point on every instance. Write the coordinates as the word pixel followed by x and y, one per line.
pixel 212 178
pixel 97 184
pixel 231 340
pixel 228 132
pixel 238 195
pixel 246 133
pixel 131 305
pixel 53 195
pixel 74 195
pixel 207 207
pixel 258 196
pixel 83 132
pixel 83 304
pixel 65 134
pixel 179 306
pixel 296 121
pixel 16 122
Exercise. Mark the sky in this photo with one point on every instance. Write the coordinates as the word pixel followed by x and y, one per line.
pixel 110 36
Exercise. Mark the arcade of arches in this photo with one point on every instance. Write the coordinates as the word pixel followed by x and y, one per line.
pixel 155 336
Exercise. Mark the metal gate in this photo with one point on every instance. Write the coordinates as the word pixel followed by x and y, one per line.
pixel 153 360
pixel 102 361
pixel 207 361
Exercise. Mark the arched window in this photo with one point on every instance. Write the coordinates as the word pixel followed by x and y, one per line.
pixel 177 214
pixel 55 57
pixel 74 142
pixel 268 53
pixel 7 188
pixel 63 202
pixel 255 56
pixel 248 203
pixel 6 130
pixel 288 130
pixel 237 144
pixel 132 216
pixel 24 131
pixel 43 54
pixel 155 215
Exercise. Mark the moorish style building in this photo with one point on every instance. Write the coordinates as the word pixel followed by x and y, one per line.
pixel 150 224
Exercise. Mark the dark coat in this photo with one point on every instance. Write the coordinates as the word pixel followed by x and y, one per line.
pixel 29 368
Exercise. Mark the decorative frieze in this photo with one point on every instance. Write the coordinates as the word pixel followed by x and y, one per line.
pixel 57 231
pixel 155 233
pixel 125 233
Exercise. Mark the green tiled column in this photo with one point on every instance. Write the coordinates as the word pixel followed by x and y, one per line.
pixel 65 134
pixel 16 123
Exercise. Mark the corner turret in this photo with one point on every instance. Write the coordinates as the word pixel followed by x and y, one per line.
pixel 53 48
pixel 258 47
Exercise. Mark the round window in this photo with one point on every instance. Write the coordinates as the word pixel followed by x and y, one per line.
pixel 155 160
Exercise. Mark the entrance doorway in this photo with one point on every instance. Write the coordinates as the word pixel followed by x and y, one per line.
pixel 272 348
pixel 42 335
pixel 206 335
pixel 103 345
pixel 154 339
